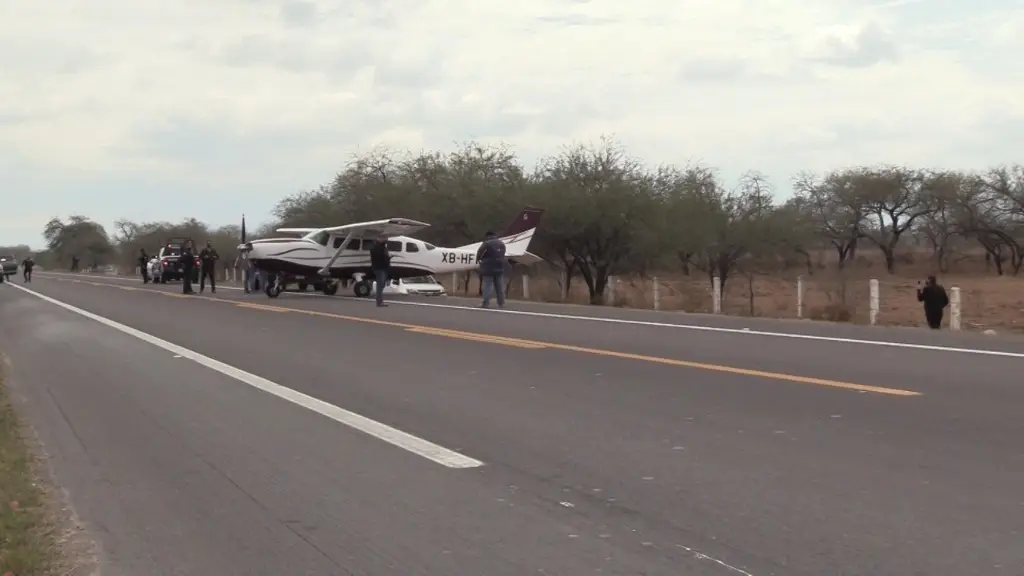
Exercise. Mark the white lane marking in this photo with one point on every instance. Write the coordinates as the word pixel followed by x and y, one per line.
pixel 403 440
pixel 705 557
pixel 696 327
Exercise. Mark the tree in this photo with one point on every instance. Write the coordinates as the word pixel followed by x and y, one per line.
pixel 894 198
pixel 602 206
pixel 939 226
pixel 80 237
pixel 734 224
pixel 834 208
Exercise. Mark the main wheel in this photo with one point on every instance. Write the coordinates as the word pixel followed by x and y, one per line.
pixel 331 288
pixel 361 289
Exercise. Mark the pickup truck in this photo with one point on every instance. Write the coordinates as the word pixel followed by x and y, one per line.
pixel 8 266
pixel 169 266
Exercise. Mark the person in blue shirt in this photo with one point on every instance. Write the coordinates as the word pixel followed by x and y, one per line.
pixel 491 264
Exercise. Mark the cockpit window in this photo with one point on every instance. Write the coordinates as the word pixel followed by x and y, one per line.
pixel 429 246
pixel 320 237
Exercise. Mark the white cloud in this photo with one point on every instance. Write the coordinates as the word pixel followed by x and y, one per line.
pixel 160 110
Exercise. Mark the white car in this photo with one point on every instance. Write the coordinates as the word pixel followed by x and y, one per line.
pixel 417 286
pixel 153 268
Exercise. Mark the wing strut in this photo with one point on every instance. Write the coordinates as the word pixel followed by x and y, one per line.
pixel 326 270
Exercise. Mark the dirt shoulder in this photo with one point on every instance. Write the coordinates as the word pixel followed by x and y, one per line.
pixel 39 534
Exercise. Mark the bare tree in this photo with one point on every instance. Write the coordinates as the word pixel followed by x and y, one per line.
pixel 835 208
pixel 893 198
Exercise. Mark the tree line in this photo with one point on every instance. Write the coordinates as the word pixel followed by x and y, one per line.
pixel 607 213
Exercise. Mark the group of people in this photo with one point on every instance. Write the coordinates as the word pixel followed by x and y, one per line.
pixel 207 257
pixel 491 264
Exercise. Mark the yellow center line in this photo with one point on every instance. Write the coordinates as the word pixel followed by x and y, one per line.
pixel 515 342
pixel 252 305
pixel 537 345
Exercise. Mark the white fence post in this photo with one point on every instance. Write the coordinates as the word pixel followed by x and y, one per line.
pixel 873 313
pixel 526 287
pixel 800 296
pixel 562 285
pixel 716 295
pixel 609 291
pixel 455 282
pixel 657 294
pixel 954 308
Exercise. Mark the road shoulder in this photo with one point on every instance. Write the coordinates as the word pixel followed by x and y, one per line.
pixel 40 531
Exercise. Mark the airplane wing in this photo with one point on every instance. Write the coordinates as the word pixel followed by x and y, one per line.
pixel 390 227
pixel 296 230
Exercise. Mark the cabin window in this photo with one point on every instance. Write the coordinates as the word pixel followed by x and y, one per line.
pixel 394 246
pixel 355 244
pixel 338 240
pixel 411 247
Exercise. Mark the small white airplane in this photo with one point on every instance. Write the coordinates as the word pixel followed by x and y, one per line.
pixel 325 256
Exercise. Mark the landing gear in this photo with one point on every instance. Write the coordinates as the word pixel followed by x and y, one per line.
pixel 330 288
pixel 274 286
pixel 361 289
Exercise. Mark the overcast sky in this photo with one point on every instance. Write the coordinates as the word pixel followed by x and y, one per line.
pixel 150 109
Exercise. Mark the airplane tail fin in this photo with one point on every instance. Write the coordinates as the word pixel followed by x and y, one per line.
pixel 518 235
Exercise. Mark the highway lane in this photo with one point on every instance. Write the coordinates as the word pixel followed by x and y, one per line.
pixel 766 474
pixel 179 470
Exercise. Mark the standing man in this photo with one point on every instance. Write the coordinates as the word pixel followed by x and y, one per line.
pixel 935 300
pixel 491 262
pixel 380 261
pixel 242 264
pixel 26 268
pixel 208 259
pixel 188 264
pixel 144 265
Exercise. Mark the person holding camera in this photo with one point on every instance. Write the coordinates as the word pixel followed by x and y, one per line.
pixel 935 300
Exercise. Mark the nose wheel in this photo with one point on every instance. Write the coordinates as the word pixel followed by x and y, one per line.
pixel 274 286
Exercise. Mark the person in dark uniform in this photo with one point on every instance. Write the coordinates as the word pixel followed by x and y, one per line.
pixel 74 263
pixel 491 262
pixel 380 261
pixel 208 259
pixel 26 268
pixel 935 300
pixel 144 265
pixel 188 264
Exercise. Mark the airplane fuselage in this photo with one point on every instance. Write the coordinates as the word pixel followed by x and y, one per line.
pixel 410 257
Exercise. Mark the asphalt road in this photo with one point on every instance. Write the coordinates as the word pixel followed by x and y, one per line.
pixel 652 445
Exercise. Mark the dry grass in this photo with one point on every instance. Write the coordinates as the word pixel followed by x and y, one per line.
pixel 988 300
pixel 28 544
